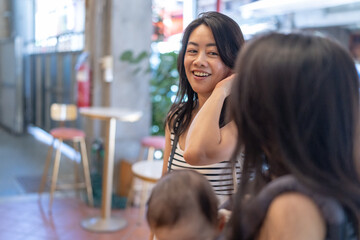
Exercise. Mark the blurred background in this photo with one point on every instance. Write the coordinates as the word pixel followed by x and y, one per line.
pixel 127 51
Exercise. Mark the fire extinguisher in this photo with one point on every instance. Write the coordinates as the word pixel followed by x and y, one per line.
pixel 83 78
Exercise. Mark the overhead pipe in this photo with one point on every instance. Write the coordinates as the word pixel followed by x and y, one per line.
pixel 218 3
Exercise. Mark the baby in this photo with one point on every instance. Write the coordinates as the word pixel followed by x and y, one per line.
pixel 183 206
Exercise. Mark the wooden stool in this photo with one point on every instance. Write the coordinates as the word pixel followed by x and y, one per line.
pixel 148 172
pixel 63 112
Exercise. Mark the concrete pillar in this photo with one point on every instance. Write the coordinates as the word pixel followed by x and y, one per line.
pixel 132 30
pixel 113 27
pixel 16 27
pixel 23 19
pixel 5 19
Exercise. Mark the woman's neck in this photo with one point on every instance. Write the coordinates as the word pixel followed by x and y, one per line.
pixel 201 101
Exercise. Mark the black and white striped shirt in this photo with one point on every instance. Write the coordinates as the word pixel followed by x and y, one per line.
pixel 220 175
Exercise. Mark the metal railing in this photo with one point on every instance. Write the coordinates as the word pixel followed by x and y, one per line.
pixel 49 76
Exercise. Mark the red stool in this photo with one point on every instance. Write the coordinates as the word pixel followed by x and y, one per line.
pixel 63 112
pixel 151 143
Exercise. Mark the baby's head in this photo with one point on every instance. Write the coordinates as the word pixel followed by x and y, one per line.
pixel 183 205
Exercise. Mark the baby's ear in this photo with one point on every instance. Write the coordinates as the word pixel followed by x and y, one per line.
pixel 224 216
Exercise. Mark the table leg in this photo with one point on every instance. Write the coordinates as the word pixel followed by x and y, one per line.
pixel 106 223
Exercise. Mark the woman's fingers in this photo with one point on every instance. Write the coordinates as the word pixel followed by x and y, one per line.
pixel 226 84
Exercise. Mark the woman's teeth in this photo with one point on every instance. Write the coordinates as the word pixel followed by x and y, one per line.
pixel 201 74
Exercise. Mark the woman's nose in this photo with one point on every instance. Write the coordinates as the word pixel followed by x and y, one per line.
pixel 200 59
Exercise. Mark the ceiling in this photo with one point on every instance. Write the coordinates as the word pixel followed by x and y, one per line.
pixel 305 13
pixel 288 15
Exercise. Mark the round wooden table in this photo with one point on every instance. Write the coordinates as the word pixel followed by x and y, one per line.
pixel 106 223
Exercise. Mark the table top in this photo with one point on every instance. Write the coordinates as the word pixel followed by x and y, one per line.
pixel 105 113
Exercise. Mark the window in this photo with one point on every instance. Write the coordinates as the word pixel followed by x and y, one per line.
pixel 59 25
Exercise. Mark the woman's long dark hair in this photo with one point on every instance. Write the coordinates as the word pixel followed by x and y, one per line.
pixel 228 38
pixel 295 102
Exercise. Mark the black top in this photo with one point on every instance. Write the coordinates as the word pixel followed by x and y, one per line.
pixel 338 224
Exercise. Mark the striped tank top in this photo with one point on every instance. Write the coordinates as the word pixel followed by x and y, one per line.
pixel 220 175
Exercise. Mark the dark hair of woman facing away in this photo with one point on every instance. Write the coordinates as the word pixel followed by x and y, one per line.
pixel 229 40
pixel 295 101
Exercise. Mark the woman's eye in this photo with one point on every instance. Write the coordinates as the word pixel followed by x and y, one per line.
pixel 191 51
pixel 213 53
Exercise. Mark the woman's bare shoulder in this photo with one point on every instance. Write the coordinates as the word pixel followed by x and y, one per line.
pixel 293 216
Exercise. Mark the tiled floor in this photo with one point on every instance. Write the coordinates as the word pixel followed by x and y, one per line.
pixel 23 156
pixel 24 216
pixel 28 218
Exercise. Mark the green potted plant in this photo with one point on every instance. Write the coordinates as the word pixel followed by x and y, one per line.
pixel 163 84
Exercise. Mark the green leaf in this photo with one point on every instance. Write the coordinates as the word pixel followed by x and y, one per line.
pixel 142 55
pixel 127 56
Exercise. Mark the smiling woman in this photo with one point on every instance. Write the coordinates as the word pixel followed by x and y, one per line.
pixel 197 137
pixel 203 65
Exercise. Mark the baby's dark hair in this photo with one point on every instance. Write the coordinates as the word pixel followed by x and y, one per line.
pixel 177 195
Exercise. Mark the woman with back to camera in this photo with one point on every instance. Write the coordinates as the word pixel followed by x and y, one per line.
pixel 205 141
pixel 295 102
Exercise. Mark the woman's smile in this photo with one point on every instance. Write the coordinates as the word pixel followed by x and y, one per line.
pixel 201 74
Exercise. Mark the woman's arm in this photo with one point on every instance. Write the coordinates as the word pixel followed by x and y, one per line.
pixel 293 216
pixel 207 143
pixel 167 150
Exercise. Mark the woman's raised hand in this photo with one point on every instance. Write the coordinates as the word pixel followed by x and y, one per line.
pixel 226 84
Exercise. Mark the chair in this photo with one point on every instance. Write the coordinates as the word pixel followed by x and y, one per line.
pixel 151 143
pixel 148 170
pixel 62 113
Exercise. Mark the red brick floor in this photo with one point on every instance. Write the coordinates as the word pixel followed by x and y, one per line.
pixel 29 219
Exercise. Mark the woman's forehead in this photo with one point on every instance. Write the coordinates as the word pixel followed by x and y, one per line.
pixel 202 34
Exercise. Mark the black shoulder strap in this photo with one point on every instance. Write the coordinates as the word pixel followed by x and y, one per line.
pixel 173 149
